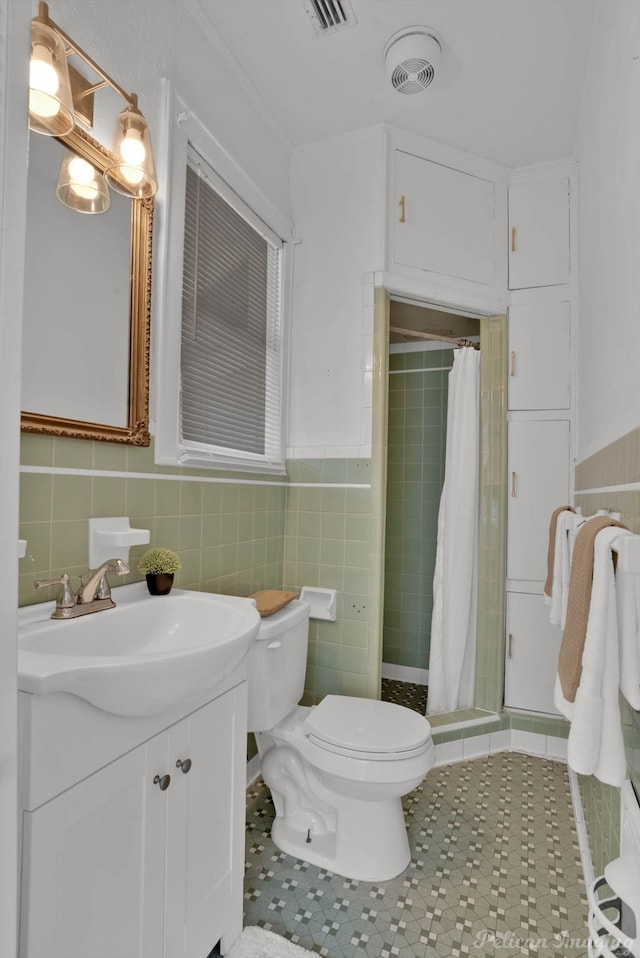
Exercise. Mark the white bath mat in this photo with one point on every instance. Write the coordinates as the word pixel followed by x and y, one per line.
pixel 259 943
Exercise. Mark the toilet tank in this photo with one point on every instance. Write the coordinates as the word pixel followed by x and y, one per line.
pixel 277 664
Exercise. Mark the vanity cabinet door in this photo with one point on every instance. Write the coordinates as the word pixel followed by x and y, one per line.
pixel 93 864
pixel 205 827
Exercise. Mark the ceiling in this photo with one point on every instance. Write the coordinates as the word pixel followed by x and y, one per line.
pixel 507 88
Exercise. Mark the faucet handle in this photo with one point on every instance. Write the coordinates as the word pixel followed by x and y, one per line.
pixel 66 599
pixel 103 590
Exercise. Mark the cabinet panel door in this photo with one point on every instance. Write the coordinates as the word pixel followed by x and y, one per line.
pixel 531 660
pixel 538 457
pixel 540 356
pixel 93 865
pixel 449 220
pixel 205 830
pixel 539 234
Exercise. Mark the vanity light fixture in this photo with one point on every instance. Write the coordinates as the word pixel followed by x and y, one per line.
pixel 60 97
pixel 81 186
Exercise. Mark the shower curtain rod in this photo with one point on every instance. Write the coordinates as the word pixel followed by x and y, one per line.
pixel 440 339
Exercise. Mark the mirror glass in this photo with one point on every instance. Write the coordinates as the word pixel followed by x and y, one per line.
pixel 86 306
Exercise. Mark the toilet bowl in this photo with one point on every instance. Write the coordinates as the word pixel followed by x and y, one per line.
pixel 337 771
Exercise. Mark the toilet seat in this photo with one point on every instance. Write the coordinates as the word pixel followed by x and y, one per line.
pixel 367 729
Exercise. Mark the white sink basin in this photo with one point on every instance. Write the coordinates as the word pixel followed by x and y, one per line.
pixel 148 655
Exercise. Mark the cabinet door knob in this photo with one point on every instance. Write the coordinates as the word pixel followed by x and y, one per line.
pixel 513 484
pixel 513 362
pixel 513 239
pixel 184 764
pixel 162 781
pixel 403 218
pixel 510 644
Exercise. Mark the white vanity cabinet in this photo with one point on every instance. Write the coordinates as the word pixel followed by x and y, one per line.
pixel 444 220
pixel 120 866
pixel 539 249
pixel 531 654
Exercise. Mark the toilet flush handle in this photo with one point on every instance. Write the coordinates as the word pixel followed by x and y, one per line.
pixel 274 645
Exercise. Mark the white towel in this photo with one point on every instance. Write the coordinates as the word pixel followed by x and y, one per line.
pixel 561 569
pixel 596 745
pixel 628 596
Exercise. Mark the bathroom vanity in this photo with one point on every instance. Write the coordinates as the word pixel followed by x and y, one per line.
pixel 132 828
pixel 133 727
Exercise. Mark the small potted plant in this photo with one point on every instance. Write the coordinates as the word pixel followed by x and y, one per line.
pixel 159 567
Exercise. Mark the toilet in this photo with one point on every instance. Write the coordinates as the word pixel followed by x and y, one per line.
pixel 337 771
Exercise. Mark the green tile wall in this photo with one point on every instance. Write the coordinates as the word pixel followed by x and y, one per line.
pixel 415 472
pixel 229 536
pixel 492 526
pixel 327 543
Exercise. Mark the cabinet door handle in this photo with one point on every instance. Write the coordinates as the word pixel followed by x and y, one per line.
pixel 510 644
pixel 401 204
pixel 513 484
pixel 513 239
pixel 513 362
pixel 184 764
pixel 162 781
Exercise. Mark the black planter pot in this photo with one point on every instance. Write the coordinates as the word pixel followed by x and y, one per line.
pixel 159 583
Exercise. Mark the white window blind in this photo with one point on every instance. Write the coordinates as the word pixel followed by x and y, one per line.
pixel 230 360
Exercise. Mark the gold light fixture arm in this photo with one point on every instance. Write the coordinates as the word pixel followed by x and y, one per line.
pixel 72 47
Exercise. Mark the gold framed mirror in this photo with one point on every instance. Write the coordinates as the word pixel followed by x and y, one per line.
pixel 87 306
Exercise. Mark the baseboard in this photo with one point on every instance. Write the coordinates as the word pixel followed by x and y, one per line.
pixel 504 740
pixel 405 673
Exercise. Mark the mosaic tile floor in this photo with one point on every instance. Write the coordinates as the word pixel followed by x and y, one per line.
pixel 405 693
pixel 495 871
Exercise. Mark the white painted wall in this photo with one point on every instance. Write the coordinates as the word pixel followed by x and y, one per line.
pixel 608 153
pixel 338 198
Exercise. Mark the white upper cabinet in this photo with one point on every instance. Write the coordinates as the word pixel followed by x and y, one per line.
pixel 539 253
pixel 444 220
pixel 539 356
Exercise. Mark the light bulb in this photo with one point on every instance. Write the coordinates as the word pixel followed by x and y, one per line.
pixel 132 174
pixel 43 83
pixel 82 178
pixel 132 149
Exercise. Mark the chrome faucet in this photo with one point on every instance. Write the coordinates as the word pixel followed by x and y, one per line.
pixel 93 596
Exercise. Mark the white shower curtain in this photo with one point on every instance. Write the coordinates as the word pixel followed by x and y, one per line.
pixel 452 656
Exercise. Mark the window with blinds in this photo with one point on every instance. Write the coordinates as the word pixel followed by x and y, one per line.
pixel 230 363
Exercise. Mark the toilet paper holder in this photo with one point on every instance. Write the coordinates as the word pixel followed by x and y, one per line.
pixel 322 602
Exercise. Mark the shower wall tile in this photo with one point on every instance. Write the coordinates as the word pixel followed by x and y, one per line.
pixel 492 528
pixel 415 472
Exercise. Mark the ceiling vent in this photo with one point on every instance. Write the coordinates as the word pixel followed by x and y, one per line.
pixel 411 57
pixel 327 16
